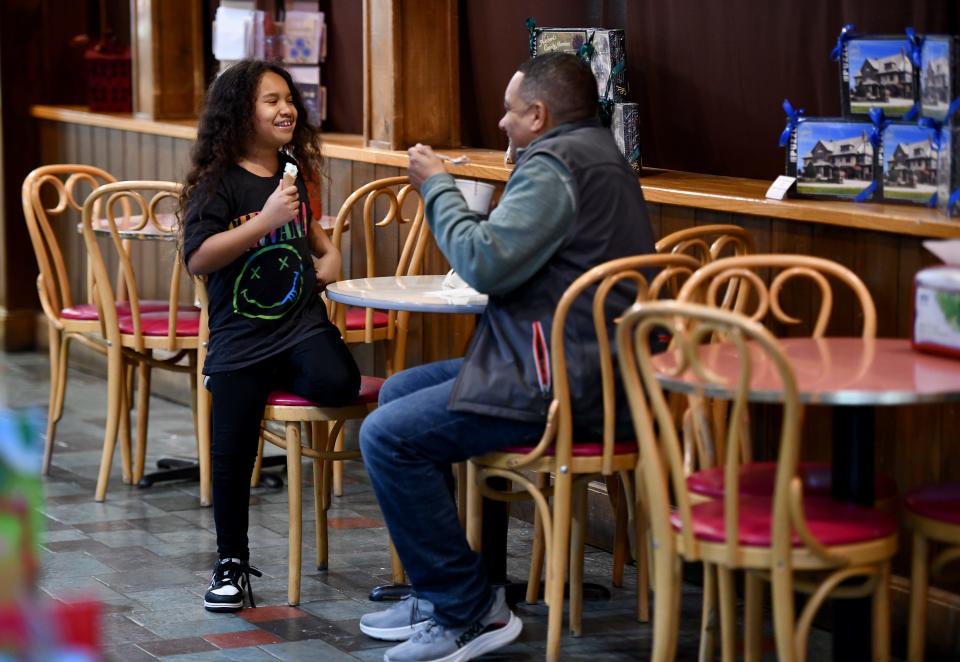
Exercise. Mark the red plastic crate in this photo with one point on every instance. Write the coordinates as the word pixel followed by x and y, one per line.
pixel 108 81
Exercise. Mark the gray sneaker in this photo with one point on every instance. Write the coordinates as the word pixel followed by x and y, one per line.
pixel 399 622
pixel 436 643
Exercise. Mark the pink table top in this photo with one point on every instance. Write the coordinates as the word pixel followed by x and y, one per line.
pixel 837 371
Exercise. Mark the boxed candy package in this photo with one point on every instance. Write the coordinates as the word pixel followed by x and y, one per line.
pixel 948 173
pixel 936 306
pixel 625 124
pixel 876 71
pixel 909 158
pixel 605 50
pixel 939 64
pixel 832 158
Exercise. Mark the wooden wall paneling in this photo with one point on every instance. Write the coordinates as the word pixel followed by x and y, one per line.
pixel 360 174
pixel 877 257
pixel 710 217
pixel 674 218
pixel 839 245
pixel 653 213
pixel 795 238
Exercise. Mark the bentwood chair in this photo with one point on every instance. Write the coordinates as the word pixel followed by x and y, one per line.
pixel 134 336
pixel 599 296
pixel 794 541
pixel 934 515
pixel 51 208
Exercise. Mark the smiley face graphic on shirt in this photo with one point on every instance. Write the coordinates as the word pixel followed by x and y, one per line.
pixel 270 283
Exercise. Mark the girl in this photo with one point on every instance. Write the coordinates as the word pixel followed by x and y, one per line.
pixel 254 238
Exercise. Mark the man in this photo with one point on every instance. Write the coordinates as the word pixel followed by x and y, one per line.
pixel 571 203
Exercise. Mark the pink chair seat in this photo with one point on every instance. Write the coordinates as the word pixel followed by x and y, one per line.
pixel 585 449
pixel 938 502
pixel 758 479
pixel 831 522
pixel 155 323
pixel 369 392
pixel 86 312
pixel 357 318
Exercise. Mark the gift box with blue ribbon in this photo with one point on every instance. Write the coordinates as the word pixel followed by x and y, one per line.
pixel 948 174
pixel 605 50
pixel 909 162
pixel 876 71
pixel 625 124
pixel 937 58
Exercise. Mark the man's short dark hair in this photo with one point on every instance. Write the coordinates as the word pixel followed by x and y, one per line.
pixel 563 82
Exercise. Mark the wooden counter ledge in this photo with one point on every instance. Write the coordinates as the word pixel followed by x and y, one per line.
pixel 668 187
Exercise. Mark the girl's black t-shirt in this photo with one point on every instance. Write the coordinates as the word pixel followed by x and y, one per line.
pixel 266 300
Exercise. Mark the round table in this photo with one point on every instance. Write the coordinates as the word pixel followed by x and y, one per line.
pixel 420 294
pixel 853 375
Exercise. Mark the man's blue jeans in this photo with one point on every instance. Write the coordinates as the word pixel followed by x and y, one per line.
pixel 408 445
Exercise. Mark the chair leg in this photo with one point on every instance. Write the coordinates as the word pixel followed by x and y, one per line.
pixel 321 491
pixel 918 599
pixel 621 539
pixel 784 619
pixel 728 614
pixel 578 536
pixel 204 402
pixel 541 480
pixel 666 603
pixel 57 346
pixel 642 560
pixel 338 466
pixel 557 569
pixel 115 390
pixel 460 474
pixel 143 417
pixel 257 464
pixel 881 615
pixel 753 618
pixel 397 573
pixel 295 511
pixel 474 509
pixel 708 616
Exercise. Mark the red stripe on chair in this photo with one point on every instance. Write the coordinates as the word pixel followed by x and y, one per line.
pixel 758 479
pixel 357 318
pixel 369 392
pixel 939 502
pixel 831 522
pixel 156 323
pixel 541 358
pixel 87 312
pixel 586 449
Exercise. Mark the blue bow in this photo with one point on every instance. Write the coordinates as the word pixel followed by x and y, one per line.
pixel 793 118
pixel 932 202
pixel 585 52
pixel 916 47
pixel 879 124
pixel 845 34
pixel 866 193
pixel 912 113
pixel 952 110
pixel 953 201
pixel 935 127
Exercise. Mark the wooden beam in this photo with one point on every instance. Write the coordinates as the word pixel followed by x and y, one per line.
pixel 411 73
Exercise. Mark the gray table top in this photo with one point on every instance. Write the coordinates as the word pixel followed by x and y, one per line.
pixel 424 294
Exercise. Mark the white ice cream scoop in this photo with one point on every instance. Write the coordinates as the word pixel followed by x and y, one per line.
pixel 289 175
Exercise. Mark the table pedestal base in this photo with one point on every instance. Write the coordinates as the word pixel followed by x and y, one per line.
pixel 172 468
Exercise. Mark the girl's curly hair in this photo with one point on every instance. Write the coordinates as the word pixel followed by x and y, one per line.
pixel 226 128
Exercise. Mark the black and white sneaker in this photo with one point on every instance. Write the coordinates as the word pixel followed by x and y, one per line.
pixel 229 584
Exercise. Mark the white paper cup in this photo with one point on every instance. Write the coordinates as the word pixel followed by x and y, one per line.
pixel 477 194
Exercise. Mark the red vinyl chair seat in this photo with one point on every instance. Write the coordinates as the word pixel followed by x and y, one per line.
pixel 357 318
pixel 369 392
pixel 155 323
pixel 758 479
pixel 86 312
pixel 937 502
pixel 586 449
pixel 831 522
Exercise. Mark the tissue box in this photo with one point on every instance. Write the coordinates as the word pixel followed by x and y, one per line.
pixel 948 172
pixel 909 157
pixel 609 53
pixel 936 310
pixel 939 68
pixel 877 72
pixel 832 158
pixel 625 125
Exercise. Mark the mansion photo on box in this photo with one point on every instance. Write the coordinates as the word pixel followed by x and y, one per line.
pixel 880 75
pixel 834 157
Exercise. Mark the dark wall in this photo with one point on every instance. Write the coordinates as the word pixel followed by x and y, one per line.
pixel 342 73
pixel 710 76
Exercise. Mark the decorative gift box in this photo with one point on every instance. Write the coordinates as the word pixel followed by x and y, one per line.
pixel 831 158
pixel 936 301
pixel 606 50
pixel 939 64
pixel 876 71
pixel 909 158
pixel 625 124
pixel 948 171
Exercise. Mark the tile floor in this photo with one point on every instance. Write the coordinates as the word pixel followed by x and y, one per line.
pixel 146 556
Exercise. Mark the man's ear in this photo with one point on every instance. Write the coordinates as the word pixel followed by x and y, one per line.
pixel 539 117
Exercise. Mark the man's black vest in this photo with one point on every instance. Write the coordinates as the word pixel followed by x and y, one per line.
pixel 500 375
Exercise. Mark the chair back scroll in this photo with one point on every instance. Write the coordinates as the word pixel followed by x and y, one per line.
pixel 598 283
pixel 139 204
pixel 662 463
pixel 62 182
